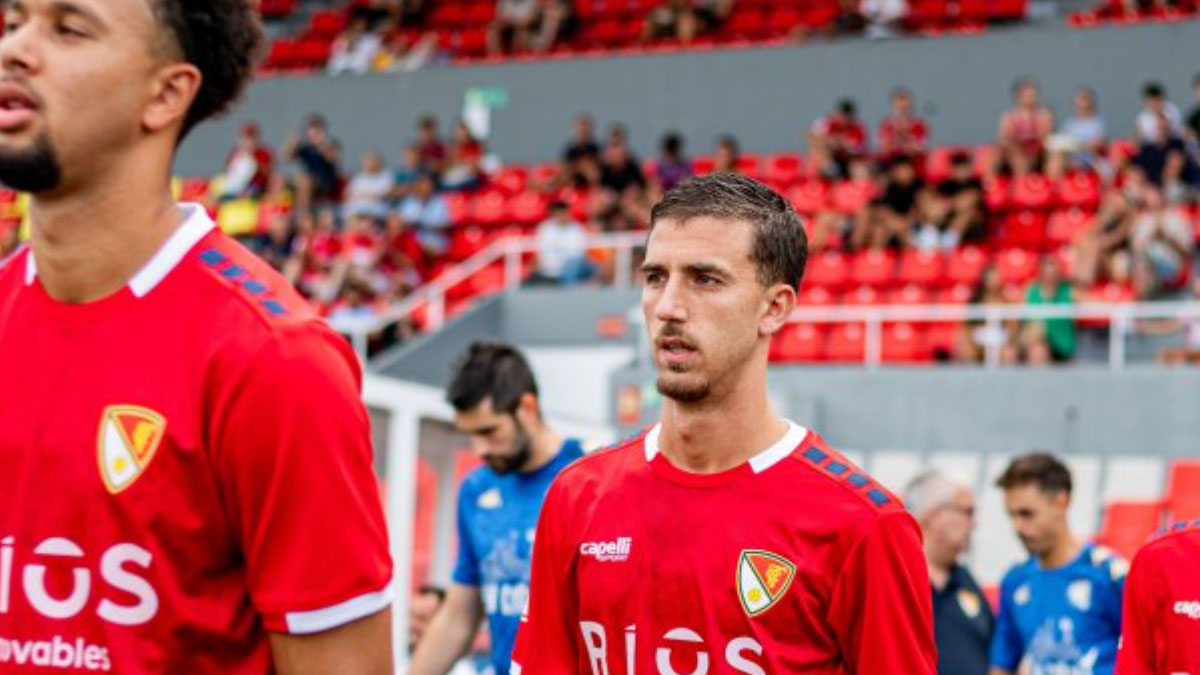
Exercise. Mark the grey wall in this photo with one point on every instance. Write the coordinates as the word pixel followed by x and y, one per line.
pixel 766 96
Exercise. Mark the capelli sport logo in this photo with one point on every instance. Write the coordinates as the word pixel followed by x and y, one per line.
pixel 1188 608
pixel 128 439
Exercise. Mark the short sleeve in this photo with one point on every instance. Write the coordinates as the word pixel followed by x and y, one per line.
pixel 291 446
pixel 1136 653
pixel 882 606
pixel 466 568
pixel 546 640
pixel 1007 646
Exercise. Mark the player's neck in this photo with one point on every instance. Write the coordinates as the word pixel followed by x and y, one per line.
pixel 1065 550
pixel 718 435
pixel 89 243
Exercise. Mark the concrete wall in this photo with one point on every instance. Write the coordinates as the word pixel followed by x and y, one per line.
pixel 766 96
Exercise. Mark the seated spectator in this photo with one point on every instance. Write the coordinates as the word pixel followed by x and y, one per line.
pixel 580 159
pixel 1109 237
pixel 623 185
pixel 248 167
pixel 464 170
pixel 355 308
pixel 836 139
pixel 362 245
pixel 561 249
pixel 556 23
pixel 1164 160
pixel 884 18
pixel 407 173
pixel 321 250
pixel 513 27
pixel 401 255
pixel 673 166
pixel 892 218
pixel 726 155
pixel 847 21
pixel 1163 243
pixel 1023 131
pixel 955 213
pixel 1155 109
pixel 1081 141
pixel 683 20
pixel 370 190
pixel 355 49
pixel 279 244
pixel 1051 340
pixel 411 12
pixel 430 147
pixel 399 54
pixel 978 338
pixel 319 156
pixel 428 215
pixel 902 133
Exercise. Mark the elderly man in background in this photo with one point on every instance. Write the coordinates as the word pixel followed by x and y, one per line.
pixel 963 621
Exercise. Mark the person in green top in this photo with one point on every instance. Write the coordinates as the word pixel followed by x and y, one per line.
pixel 1051 339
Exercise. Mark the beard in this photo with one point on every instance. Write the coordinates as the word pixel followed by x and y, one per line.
pixel 518 458
pixel 684 389
pixel 35 169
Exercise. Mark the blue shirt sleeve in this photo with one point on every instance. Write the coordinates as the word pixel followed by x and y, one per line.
pixel 1116 568
pixel 1007 645
pixel 466 569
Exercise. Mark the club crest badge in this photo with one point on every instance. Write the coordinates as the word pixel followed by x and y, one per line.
pixel 128 440
pixel 762 579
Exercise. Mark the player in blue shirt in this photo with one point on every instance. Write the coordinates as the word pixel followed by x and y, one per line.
pixel 495 398
pixel 1061 609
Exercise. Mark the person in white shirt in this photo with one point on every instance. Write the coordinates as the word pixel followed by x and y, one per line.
pixel 561 249
pixel 369 190
pixel 1155 104
pixel 1163 243
pixel 355 50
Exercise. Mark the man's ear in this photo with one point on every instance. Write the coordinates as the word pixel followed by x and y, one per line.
pixel 172 92
pixel 528 412
pixel 780 301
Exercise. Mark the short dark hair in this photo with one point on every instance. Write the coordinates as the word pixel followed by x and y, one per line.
pixel 847 106
pixel 780 247
pixel 1042 469
pixel 672 144
pixel 1022 82
pixel 223 39
pixel 1153 90
pixel 491 370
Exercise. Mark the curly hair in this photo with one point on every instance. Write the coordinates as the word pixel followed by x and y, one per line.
pixel 223 39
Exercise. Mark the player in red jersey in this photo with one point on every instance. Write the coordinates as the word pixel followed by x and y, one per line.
pixel 1160 634
pixel 186 482
pixel 725 539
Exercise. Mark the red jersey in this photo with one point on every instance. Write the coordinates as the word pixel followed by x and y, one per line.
pixel 897 134
pixel 1161 623
pixel 847 135
pixel 794 562
pixel 187 465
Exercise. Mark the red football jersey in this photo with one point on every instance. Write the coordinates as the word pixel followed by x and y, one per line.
pixel 1161 624
pixel 794 562
pixel 186 466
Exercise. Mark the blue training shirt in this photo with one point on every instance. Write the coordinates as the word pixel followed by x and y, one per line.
pixel 1067 620
pixel 497 518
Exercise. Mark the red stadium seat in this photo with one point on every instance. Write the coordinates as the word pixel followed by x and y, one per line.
pixel 459 205
pixel 1066 226
pixel 783 171
pixel 527 208
pixel 1033 191
pixel 798 342
pixel 846 344
pixel 1079 189
pixel 1127 525
pixel 926 268
pixel 1107 291
pixel 828 269
pixel 749 166
pixel 1183 490
pixel 809 197
pixel 904 343
pixel 957 294
pixel 1016 266
pixel 862 296
pixel 850 197
pixel 1024 229
pixel 314 52
pixel 997 193
pixel 466 242
pixel 816 296
pixel 489 209
pixel 703 165
pixel 985 159
pixel 874 267
pixel 937 166
pixel 511 179
pixel 965 265
pixel 910 294
pixel 327 24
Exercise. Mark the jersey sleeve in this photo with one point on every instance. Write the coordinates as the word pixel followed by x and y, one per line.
pixel 546 640
pixel 466 567
pixel 1136 653
pixel 1007 646
pixel 291 446
pixel 881 607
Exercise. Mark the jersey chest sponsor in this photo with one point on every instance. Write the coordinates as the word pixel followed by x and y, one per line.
pixel 675 647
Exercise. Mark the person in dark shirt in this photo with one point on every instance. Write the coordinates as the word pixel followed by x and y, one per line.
pixel 1193 119
pixel 893 216
pixel 318 154
pixel 962 619
pixel 581 157
pixel 957 214
pixel 673 166
pixel 623 187
pixel 430 147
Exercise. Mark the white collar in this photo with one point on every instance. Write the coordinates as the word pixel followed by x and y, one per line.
pixel 196 225
pixel 760 462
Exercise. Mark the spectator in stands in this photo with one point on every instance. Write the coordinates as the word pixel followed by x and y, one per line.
pixel 1097 248
pixel 401 254
pixel 556 22
pixel 1155 110
pixel 1189 352
pixel 955 212
pixel 1165 162
pixel 1081 141
pixel 321 247
pixel 623 185
pixel 561 249
pixel 370 190
pixel 978 338
pixel 726 154
pixel 354 51
pixel 355 308
pixel 1193 119
pixel 399 54
pixel 279 244
pixel 426 212
pixel 319 156
pixel 962 619
pixel 893 218
pixel 902 133
pixel 836 139
pixel 10 240
pixel 248 167
pixel 430 147
pixel 673 166
pixel 1163 243
pixel 683 20
pixel 1051 340
pixel 884 18
pixel 1023 131
pixel 464 166
pixel 362 245
pixel 407 173
pixel 514 26
pixel 1061 609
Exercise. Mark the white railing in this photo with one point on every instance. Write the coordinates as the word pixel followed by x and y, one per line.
pixel 1120 317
